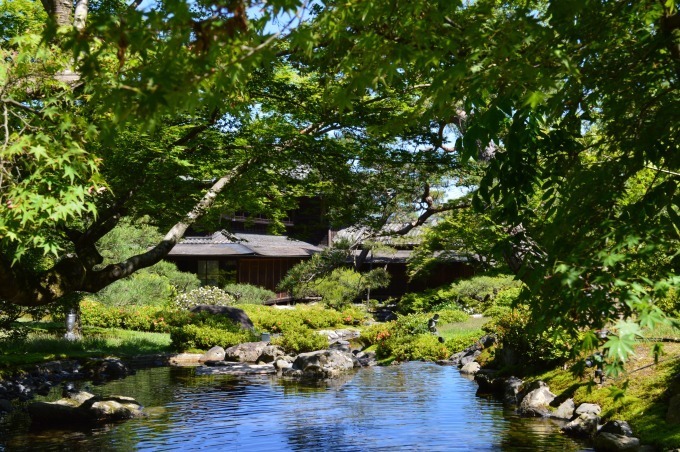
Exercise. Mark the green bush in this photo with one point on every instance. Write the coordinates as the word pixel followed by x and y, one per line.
pixel 156 285
pixel 273 320
pixel 248 294
pixel 461 342
pixel 513 329
pixel 204 337
pixel 410 347
pixel 9 329
pixel 301 340
pixel 496 312
pixel 142 288
pixel 471 295
pixel 452 315
pixel 209 295
pixel 138 318
pixel 344 285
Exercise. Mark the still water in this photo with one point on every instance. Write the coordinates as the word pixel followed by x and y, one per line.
pixel 414 406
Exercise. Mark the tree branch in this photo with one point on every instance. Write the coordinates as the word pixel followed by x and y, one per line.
pixel 71 274
pixel 97 280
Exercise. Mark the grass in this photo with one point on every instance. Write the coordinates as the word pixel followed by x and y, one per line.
pixel 42 344
pixel 471 326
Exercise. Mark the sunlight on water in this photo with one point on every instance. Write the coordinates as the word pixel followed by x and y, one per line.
pixel 414 406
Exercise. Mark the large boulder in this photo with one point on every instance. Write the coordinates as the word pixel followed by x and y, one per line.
pixel 248 352
pixel 106 369
pixel 214 354
pixel 366 359
pixel 610 442
pixel 470 368
pixel 488 385
pixel 536 402
pixel 565 410
pixel 584 426
pixel 617 427
pixel 270 354
pixel 322 364
pixel 591 408
pixel 511 390
pixel 84 408
pixel 237 315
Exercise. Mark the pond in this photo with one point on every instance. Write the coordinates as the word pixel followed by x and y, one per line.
pixel 414 406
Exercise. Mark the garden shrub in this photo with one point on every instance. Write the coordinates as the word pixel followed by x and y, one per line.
pixel 142 288
pixel 461 342
pixel 344 285
pixel 9 329
pixel 139 318
pixel 248 293
pixel 301 340
pixel 471 295
pixel 209 295
pixel 270 319
pixel 514 332
pixel 204 337
pixel 452 315
pixel 405 347
pixel 155 285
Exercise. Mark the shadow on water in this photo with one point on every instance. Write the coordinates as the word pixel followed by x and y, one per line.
pixel 413 406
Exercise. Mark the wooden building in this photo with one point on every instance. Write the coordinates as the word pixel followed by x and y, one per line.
pixel 257 259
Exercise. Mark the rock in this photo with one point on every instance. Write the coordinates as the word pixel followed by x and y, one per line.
pixel 488 340
pixel 470 368
pixel 83 408
pixel 282 364
pixel 237 315
pixel 323 363
pixel 456 357
pixel 339 335
pixel 270 354
pixel 231 368
pixel 583 426
pixel 536 402
pixel 184 359
pixel 673 413
pixel 366 359
pixel 214 354
pixel 565 410
pixel 610 442
pixel 511 390
pixel 488 385
pixel 106 369
pixel 248 352
pixel 470 357
pixel 591 408
pixel 341 345
pixel 617 428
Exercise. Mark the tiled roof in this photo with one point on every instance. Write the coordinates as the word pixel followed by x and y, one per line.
pixel 224 244
pixel 387 235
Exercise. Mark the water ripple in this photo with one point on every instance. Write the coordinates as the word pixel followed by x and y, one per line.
pixel 414 406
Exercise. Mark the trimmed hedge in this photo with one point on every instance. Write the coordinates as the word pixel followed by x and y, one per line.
pixel 204 337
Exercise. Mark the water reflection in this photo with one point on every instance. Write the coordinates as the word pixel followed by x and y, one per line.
pixel 409 407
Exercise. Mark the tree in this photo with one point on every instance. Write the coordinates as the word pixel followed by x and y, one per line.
pixel 574 106
pixel 177 111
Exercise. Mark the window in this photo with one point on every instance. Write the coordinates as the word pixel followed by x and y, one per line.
pixel 209 272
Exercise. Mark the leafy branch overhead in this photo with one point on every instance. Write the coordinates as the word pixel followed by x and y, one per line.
pixel 559 117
